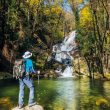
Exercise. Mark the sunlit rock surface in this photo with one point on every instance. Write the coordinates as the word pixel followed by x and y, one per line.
pixel 35 107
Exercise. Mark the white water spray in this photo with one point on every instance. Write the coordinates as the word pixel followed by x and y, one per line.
pixel 62 54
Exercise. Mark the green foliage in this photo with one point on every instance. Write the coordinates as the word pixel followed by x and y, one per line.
pixel 93 35
pixel 12 16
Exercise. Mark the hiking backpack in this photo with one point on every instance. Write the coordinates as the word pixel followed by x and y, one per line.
pixel 18 69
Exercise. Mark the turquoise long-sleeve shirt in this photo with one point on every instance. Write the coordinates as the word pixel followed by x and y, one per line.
pixel 28 65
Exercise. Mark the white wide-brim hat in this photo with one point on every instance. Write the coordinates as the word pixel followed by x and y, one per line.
pixel 27 54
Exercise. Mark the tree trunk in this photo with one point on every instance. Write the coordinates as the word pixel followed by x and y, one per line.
pixel 3 23
pixel 89 67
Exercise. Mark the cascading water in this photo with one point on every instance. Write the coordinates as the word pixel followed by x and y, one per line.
pixel 68 72
pixel 62 54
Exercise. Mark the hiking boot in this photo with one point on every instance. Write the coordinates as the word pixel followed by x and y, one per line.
pixel 32 104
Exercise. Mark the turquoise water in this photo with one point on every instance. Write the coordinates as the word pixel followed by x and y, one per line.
pixel 60 94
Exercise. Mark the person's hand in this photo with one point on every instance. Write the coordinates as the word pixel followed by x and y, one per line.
pixel 38 72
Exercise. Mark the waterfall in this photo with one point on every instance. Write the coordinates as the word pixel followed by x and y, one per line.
pixel 68 72
pixel 62 52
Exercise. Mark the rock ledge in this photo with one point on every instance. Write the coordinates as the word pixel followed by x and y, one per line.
pixel 35 107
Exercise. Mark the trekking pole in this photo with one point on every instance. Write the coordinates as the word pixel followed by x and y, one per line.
pixel 38 76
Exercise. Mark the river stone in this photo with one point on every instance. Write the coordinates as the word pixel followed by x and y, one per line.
pixel 35 107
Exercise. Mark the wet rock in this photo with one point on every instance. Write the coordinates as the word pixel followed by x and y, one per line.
pixel 35 107
pixel 5 75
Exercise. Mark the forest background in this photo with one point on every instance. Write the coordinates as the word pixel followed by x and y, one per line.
pixel 37 25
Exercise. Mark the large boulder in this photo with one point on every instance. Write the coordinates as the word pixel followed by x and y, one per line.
pixel 35 107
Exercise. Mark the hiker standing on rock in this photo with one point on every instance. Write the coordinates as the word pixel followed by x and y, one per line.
pixel 26 80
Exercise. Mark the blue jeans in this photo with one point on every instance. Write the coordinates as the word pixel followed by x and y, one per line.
pixel 29 83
